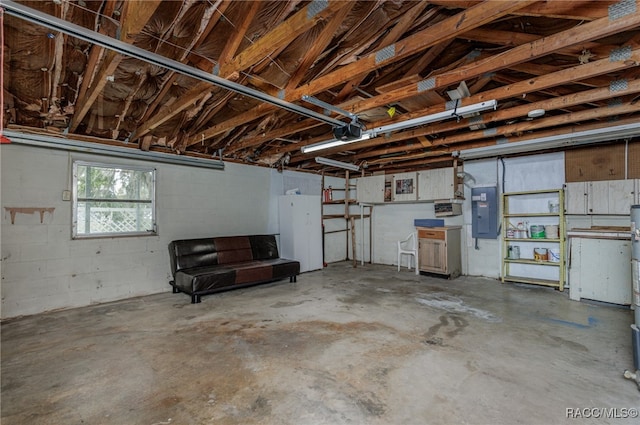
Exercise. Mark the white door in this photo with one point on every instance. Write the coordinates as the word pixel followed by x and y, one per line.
pixel 600 270
pixel 598 198
pixel 575 198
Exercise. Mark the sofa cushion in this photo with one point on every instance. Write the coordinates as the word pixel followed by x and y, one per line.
pixel 252 271
pixel 188 253
pixel 264 247
pixel 203 279
pixel 284 268
pixel 233 249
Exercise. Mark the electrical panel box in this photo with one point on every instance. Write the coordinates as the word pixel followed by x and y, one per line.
pixel 484 212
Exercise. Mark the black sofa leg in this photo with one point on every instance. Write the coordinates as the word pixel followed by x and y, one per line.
pixel 293 278
pixel 176 290
pixel 195 299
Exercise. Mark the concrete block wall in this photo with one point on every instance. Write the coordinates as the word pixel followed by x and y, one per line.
pixel 526 173
pixel 393 222
pixel 43 269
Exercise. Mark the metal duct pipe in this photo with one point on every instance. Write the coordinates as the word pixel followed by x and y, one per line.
pixel 52 142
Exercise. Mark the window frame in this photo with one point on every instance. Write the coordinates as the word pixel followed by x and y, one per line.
pixel 75 200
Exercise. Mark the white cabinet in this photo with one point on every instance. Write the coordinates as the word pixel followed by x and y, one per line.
pixel 613 197
pixel 606 197
pixel 301 230
pixel 421 186
pixel 370 190
pixel 436 184
pixel 600 270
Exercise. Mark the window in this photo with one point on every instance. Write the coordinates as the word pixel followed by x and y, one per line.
pixel 112 200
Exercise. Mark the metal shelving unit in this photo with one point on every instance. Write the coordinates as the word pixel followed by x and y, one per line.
pixel 510 212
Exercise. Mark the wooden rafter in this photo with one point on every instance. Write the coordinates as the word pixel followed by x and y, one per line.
pixel 280 36
pixel 521 88
pixel 135 15
pixel 392 36
pixel 543 46
pixel 297 23
pixel 435 34
pixel 212 18
pixel 585 10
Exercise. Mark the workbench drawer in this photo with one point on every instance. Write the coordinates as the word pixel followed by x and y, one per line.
pixel 431 234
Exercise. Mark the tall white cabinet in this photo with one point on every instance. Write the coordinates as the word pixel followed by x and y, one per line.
pixel 301 230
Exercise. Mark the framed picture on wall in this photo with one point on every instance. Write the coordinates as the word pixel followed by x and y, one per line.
pixel 404 186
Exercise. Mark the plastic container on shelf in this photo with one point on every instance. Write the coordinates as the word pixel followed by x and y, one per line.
pixel 536 231
pixel 551 231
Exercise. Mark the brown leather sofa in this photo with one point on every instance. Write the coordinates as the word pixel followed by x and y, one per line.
pixel 209 265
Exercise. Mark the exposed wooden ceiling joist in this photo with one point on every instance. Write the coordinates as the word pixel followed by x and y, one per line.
pixel 575 59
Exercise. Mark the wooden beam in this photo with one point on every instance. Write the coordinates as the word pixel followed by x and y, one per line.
pixel 543 46
pixel 273 134
pixel 542 69
pixel 212 16
pixel 521 127
pixel 169 110
pixel 513 39
pixel 484 141
pixel 402 26
pixel 319 45
pixel 429 56
pixel 297 23
pixel 134 16
pixel 515 90
pixel 234 40
pixel 584 10
pixel 282 35
pixel 435 34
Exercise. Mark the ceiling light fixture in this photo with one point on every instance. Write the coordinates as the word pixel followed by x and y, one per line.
pixel 439 116
pixel 333 143
pixel 339 164
pixel 555 141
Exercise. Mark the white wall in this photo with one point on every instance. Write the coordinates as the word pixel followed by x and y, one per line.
pixel 43 269
pixel 525 173
pixel 392 222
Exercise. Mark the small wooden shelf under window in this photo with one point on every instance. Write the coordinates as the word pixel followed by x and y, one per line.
pixel 28 210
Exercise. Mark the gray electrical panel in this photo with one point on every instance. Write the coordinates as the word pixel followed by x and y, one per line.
pixel 484 212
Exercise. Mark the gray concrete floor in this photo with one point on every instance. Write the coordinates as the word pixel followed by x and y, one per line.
pixel 341 346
